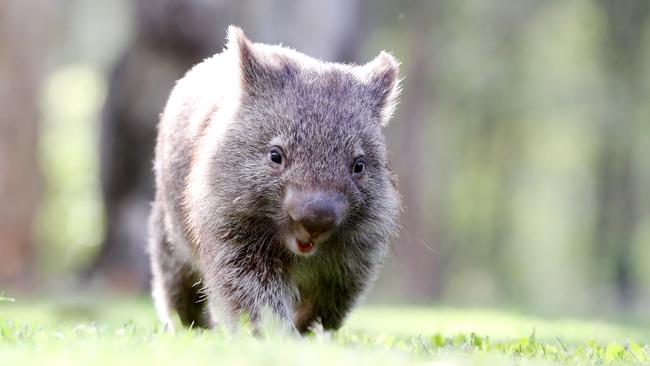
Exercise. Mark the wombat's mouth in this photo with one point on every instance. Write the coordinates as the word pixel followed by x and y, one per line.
pixel 305 247
pixel 301 242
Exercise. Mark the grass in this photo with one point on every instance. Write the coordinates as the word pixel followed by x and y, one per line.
pixel 126 332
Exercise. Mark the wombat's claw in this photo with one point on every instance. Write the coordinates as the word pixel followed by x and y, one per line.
pixel 320 332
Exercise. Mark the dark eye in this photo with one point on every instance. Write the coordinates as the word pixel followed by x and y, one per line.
pixel 275 155
pixel 359 166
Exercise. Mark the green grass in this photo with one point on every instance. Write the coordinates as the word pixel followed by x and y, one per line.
pixel 126 332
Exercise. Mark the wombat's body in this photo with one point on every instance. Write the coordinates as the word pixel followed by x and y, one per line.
pixel 273 193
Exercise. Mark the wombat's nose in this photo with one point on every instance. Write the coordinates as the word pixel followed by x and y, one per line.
pixel 317 212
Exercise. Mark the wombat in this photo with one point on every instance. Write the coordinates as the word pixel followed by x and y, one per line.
pixel 273 188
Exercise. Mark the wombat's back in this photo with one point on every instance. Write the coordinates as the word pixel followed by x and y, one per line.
pixel 198 105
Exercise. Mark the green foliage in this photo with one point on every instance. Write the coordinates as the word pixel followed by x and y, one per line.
pixel 128 333
pixel 70 222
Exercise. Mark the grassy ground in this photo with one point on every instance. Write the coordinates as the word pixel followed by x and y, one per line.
pixel 127 333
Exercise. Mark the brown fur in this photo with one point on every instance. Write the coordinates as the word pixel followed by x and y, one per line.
pixel 221 215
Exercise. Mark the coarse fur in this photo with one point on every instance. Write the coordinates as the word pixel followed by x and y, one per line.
pixel 221 242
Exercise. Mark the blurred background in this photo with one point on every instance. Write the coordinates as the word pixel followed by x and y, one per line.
pixel 522 140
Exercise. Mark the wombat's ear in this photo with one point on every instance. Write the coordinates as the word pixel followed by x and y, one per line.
pixel 243 50
pixel 381 77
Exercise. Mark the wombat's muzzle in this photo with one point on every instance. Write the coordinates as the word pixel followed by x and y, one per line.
pixel 317 212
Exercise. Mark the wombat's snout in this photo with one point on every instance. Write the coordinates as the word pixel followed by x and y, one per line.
pixel 317 212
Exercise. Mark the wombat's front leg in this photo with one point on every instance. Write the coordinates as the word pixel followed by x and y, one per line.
pixel 327 305
pixel 246 286
pixel 330 297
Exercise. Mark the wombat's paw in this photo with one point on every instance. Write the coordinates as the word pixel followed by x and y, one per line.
pixel 320 333
pixel 273 326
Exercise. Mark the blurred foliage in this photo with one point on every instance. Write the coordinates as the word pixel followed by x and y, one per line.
pixel 519 107
pixel 71 217
pixel 521 142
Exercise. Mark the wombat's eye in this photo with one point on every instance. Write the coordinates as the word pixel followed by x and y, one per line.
pixel 359 166
pixel 275 155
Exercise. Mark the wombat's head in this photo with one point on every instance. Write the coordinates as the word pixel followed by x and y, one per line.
pixel 305 150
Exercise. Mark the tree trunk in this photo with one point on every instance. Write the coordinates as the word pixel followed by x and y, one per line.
pixel 618 211
pixel 22 50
